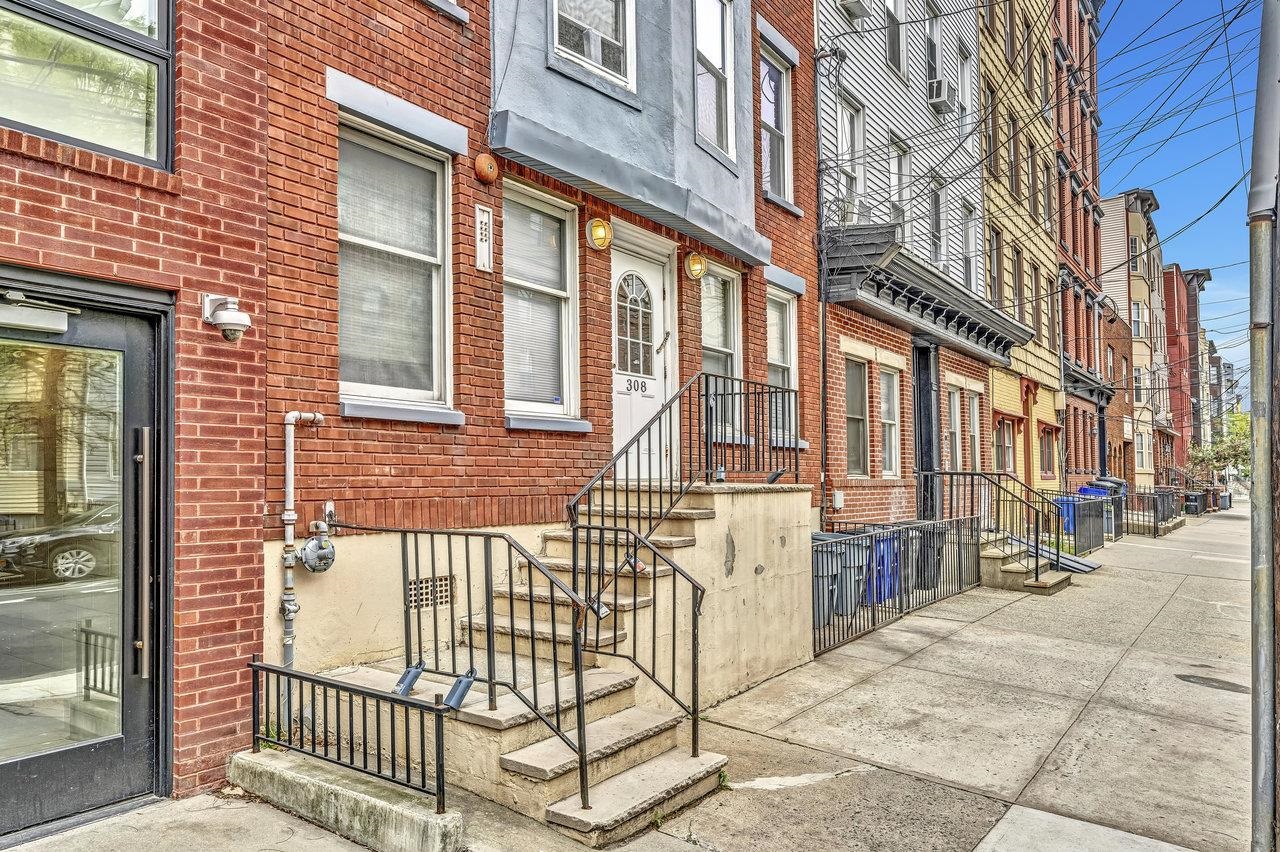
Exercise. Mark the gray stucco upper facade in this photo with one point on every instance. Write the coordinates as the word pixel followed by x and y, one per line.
pixel 631 143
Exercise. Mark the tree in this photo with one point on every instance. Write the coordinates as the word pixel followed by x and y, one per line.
pixel 1229 452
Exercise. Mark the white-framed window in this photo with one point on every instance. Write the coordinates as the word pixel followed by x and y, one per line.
pixel 969 221
pixel 720 325
pixel 937 202
pixel 1139 320
pixel 890 427
pixel 713 36
pixel 964 95
pixel 1140 449
pixel 393 270
pixel 782 338
pixel 954 436
pixel 1006 461
pixel 781 355
pixel 1046 179
pixel 1048 451
pixel 899 175
pixel 990 129
pixel 857 447
pixel 851 141
pixel 1046 92
pixel 539 302
pixel 1033 191
pixel 895 49
pixel 775 124
pixel 995 266
pixel 1139 393
pixel 975 431
pixel 932 43
pixel 1015 159
pixel 599 35
pixel 1133 254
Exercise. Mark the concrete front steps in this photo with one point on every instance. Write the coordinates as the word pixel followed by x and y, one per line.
pixel 636 770
pixel 1008 565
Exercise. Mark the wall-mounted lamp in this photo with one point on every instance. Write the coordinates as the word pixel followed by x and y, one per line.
pixel 695 265
pixel 599 233
pixel 224 312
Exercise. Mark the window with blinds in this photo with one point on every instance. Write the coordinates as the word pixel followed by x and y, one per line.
pixel 391 286
pixel 719 340
pixel 539 330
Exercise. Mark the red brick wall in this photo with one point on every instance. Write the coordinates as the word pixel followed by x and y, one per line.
pixel 199 229
pixel 794 238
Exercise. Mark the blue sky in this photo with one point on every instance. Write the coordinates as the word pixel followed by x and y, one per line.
pixel 1137 151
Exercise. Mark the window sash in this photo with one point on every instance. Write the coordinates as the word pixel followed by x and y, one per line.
pixel 953 429
pixel 895 37
pixel 857 444
pixel 775 141
pixel 890 436
pixel 720 353
pixel 148 140
pixel 539 375
pixel 366 372
pixel 596 42
pixel 713 119
pixel 975 432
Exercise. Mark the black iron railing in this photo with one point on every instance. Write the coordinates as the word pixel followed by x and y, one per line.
pixel 1013 516
pixel 97 661
pixel 621 568
pixel 1146 510
pixel 713 429
pixel 388 736
pixel 480 602
pixel 1083 527
pixel 868 575
pixel 1176 498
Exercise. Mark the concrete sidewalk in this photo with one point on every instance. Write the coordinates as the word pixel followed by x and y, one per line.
pixel 1118 705
pixel 1112 716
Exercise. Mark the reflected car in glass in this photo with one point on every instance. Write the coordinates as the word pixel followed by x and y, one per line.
pixel 80 545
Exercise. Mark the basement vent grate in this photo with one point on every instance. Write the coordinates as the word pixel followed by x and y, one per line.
pixel 429 592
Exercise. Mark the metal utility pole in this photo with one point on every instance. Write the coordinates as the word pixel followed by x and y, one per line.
pixel 1262 351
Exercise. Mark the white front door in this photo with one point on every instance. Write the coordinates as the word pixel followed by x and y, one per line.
pixel 641 343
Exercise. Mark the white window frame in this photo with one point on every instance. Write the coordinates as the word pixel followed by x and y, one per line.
pixel 866 425
pixel 894 9
pixel 851 142
pixel 1006 454
pixel 932 42
pixel 11 451
pixel 964 97
pixel 972 254
pixel 415 153
pixel 899 176
pixel 569 341
pixel 937 221
pixel 955 450
pixel 975 432
pixel 727 36
pixel 628 81
pixel 784 117
pixel 1133 254
pixel 733 316
pixel 783 297
pixel 886 471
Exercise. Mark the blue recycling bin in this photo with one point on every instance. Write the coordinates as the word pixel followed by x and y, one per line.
pixel 1068 506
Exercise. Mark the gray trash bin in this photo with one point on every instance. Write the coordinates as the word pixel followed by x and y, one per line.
pixel 849 582
pixel 827 559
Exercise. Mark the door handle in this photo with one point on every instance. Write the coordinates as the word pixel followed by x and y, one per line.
pixel 142 641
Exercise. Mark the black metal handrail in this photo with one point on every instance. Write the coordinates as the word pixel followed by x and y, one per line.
pixel 454 576
pixel 714 428
pixel 642 561
pixel 1003 504
pixel 319 716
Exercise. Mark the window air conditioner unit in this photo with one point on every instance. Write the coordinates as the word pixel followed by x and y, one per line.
pixel 942 96
pixel 855 9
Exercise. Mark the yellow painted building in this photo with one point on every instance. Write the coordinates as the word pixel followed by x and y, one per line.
pixel 1015 62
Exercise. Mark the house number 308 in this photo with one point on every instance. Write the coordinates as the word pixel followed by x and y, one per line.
pixel 637 385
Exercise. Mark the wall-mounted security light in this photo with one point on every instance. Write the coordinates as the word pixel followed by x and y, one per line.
pixel 224 312
pixel 599 234
pixel 695 265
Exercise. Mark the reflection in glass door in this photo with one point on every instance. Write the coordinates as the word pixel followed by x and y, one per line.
pixel 60 546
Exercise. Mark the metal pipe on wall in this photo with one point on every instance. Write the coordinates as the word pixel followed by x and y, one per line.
pixel 289 519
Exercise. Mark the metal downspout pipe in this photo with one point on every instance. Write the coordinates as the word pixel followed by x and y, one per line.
pixel 1262 351
pixel 289 519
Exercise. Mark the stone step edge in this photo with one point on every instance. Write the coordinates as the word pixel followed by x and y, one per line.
pixel 551 758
